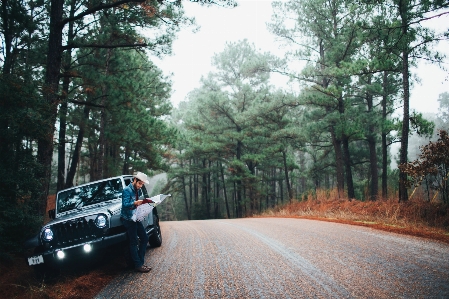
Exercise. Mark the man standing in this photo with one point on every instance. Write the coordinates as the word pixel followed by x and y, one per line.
pixel 130 201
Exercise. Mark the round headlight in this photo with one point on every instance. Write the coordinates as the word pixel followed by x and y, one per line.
pixel 60 254
pixel 100 221
pixel 47 235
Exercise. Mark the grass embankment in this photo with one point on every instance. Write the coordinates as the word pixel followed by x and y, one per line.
pixel 416 217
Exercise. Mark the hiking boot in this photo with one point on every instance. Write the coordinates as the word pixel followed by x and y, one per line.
pixel 143 269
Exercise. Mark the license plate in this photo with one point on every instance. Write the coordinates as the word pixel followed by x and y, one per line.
pixel 34 260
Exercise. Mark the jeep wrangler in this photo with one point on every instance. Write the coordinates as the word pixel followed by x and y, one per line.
pixel 87 220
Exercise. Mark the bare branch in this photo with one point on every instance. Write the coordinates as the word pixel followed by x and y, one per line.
pixel 73 46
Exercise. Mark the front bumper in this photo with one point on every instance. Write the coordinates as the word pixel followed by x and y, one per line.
pixel 74 252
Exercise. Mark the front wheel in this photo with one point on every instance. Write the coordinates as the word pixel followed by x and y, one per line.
pixel 156 238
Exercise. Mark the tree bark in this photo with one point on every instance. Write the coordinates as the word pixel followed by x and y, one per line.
pixel 287 180
pixel 224 191
pixel 184 193
pixel 239 182
pixel 339 164
pixel 64 106
pixel 204 190
pixel 347 160
pixel 50 94
pixel 125 169
pixel 384 137
pixel 77 151
pixel 100 169
pixel 371 139
pixel 403 11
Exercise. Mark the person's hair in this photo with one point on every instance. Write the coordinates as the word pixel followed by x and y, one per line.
pixel 137 180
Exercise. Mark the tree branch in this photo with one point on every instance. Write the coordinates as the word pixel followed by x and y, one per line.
pixel 87 103
pixel 73 46
pixel 101 6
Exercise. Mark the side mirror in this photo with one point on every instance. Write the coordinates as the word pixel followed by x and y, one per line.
pixel 52 213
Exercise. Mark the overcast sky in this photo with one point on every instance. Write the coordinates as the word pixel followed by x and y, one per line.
pixel 192 52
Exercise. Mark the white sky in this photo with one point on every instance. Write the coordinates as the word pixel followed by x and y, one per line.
pixel 192 52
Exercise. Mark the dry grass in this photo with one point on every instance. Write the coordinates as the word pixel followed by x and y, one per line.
pixel 416 217
pixel 17 280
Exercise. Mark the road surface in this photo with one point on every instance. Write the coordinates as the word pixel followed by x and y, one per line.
pixel 286 258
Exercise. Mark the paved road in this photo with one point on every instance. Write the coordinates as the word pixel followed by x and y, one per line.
pixel 286 258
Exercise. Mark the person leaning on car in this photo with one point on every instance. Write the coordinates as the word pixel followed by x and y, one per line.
pixel 130 200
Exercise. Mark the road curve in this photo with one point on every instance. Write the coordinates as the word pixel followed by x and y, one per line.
pixel 286 258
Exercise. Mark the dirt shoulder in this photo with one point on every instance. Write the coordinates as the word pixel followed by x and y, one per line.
pixel 428 233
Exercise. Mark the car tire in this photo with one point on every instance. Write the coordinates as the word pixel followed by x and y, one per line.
pixel 156 238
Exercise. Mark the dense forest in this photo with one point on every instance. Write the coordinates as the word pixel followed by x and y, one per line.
pixel 81 100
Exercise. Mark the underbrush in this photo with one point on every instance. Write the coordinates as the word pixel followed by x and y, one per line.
pixel 416 217
pixel 18 280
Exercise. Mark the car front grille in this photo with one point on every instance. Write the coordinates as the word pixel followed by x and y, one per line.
pixel 75 231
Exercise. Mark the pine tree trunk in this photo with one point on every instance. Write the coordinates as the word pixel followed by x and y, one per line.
pixel 384 138
pixel 217 192
pixel 184 193
pixel 77 151
pixel 186 202
pixel 371 138
pixel 281 190
pixel 64 105
pixel 50 93
pixel 190 187
pixel 287 180
pixel 196 186
pixel 347 160
pixel 125 169
pixel 224 191
pixel 374 188
pixel 99 174
pixel 204 189
pixel 239 182
pixel 273 187
pixel 339 164
pixel 5 104
pixel 403 194
pixel 62 134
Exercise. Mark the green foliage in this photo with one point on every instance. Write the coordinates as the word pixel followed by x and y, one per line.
pixel 237 121
pixel 132 97
pixel 19 222
pixel 21 122
pixel 127 95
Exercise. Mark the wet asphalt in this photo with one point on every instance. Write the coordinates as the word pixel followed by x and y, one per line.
pixel 285 258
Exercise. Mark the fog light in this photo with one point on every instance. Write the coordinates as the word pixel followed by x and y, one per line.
pixel 87 247
pixel 60 254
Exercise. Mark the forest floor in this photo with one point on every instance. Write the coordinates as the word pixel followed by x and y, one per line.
pixel 416 218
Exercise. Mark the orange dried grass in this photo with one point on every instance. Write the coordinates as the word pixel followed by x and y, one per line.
pixel 416 214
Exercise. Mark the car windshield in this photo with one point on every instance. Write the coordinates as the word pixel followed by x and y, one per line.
pixel 89 194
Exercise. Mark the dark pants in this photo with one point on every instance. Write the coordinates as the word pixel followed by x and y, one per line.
pixel 134 230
